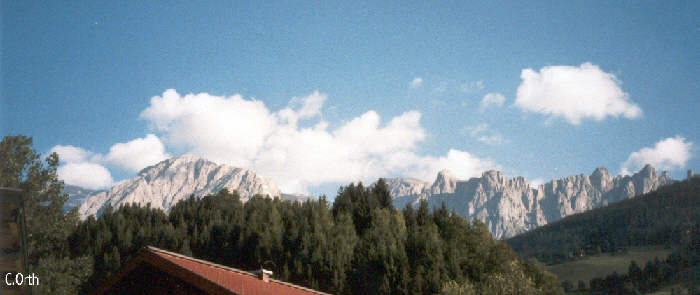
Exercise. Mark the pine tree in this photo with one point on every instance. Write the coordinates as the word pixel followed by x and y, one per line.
pixel 47 227
pixel 381 191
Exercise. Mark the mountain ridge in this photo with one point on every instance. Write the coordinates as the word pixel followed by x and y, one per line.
pixel 663 217
pixel 169 181
pixel 509 206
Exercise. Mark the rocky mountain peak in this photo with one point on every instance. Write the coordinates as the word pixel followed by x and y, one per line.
pixel 600 172
pixel 406 186
pixel 165 183
pixel 493 178
pixel 647 180
pixel 493 174
pixel 601 179
pixel 647 171
pixel 445 183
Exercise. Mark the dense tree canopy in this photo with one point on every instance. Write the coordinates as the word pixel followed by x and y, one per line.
pixel 48 228
pixel 359 244
pixel 317 244
pixel 682 266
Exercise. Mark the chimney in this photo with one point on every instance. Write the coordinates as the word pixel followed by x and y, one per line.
pixel 264 275
pixel 691 174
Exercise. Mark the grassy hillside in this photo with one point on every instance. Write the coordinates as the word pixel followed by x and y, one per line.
pixel 604 264
pixel 665 217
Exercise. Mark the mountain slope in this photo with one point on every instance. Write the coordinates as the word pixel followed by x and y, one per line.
pixel 667 216
pixel 77 195
pixel 512 206
pixel 164 184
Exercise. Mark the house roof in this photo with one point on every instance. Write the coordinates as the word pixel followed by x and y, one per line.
pixel 210 277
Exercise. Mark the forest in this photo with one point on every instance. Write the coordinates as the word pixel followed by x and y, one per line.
pixel 682 266
pixel 667 217
pixel 357 244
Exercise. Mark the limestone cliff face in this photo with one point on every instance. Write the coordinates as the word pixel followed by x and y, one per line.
pixel 169 181
pixel 407 190
pixel 511 206
pixel 445 183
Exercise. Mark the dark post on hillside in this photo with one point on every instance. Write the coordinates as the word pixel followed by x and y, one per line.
pixel 13 250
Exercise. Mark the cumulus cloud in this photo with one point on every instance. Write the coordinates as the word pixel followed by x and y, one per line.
pixel 87 169
pixel 70 154
pixel 311 105
pixel 462 165
pixel 417 82
pixel 496 99
pixel 137 154
pixel 574 93
pixel 224 129
pixel 244 133
pixel 85 174
pixel 79 167
pixel 667 154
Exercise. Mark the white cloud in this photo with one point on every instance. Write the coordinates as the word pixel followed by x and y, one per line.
pixel 460 163
pixel 225 129
pixel 85 174
pixel 86 169
pixel 496 99
pixel 137 154
pixel 310 105
pixel 416 83
pixel 667 154
pixel 482 133
pixel 535 183
pixel 574 93
pixel 245 133
pixel 79 168
pixel 70 154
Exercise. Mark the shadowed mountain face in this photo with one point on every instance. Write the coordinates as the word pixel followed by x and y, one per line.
pixel 164 184
pixel 77 195
pixel 511 206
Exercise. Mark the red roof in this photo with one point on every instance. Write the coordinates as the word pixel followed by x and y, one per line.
pixel 210 277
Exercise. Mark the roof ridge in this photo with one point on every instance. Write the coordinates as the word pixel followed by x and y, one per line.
pixel 200 261
pixel 209 263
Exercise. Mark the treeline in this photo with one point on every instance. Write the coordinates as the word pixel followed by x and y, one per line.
pixel 664 217
pixel 682 266
pixel 359 244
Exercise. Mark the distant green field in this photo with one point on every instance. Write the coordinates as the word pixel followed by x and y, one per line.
pixel 604 264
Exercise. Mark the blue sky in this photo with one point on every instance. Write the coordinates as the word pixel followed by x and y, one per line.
pixel 609 84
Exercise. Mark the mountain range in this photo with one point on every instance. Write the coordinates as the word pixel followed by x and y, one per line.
pixel 506 206
pixel 512 206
